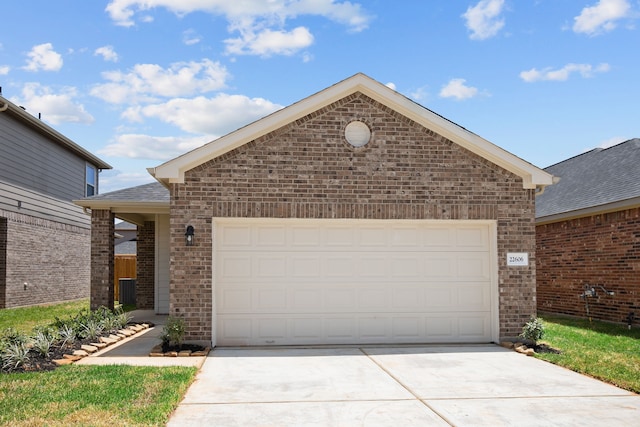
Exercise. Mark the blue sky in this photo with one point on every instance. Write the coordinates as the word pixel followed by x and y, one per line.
pixel 138 82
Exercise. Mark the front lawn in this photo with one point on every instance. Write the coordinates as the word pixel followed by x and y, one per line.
pixel 602 350
pixel 93 395
pixel 24 319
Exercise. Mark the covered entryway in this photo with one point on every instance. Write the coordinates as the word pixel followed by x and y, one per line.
pixel 308 281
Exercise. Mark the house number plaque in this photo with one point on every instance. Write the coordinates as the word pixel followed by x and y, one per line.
pixel 517 259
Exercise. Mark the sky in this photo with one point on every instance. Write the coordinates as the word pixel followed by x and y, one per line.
pixel 139 82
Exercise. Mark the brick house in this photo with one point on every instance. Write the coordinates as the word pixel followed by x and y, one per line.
pixel 45 239
pixel 352 216
pixel 588 235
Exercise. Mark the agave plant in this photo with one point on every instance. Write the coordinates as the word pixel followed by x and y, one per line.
pixel 92 328
pixel 14 355
pixel 42 342
pixel 67 335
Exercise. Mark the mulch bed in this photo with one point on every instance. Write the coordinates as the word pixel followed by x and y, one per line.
pixel 544 348
pixel 39 363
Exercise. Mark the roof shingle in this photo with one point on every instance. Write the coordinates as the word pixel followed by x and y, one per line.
pixel 597 177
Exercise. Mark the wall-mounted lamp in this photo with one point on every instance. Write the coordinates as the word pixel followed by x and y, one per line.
pixel 189 235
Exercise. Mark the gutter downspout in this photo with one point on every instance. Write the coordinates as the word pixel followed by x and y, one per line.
pixel 4 107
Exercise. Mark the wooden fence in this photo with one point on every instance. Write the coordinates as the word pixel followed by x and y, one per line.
pixel 124 268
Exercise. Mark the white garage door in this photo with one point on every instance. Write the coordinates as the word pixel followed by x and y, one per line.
pixel 294 282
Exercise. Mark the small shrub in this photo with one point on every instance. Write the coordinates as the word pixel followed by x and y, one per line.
pixel 122 318
pixel 173 331
pixel 67 335
pixel 92 328
pixel 12 336
pixel 111 323
pixel 14 355
pixel 533 330
pixel 42 343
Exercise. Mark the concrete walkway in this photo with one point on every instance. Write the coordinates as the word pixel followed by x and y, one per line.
pixel 135 350
pixel 397 386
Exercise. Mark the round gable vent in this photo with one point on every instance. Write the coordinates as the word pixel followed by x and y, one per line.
pixel 357 133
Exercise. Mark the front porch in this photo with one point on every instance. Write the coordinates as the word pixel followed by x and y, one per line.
pixel 147 207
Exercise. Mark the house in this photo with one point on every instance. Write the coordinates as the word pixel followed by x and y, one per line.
pixel 352 216
pixel 45 239
pixel 588 236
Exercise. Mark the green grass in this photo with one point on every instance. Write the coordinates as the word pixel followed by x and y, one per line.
pixel 93 395
pixel 24 319
pixel 86 395
pixel 602 350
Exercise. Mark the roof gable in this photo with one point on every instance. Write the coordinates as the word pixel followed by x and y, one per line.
pixel 596 181
pixel 173 171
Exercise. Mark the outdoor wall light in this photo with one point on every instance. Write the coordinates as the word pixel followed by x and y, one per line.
pixel 189 235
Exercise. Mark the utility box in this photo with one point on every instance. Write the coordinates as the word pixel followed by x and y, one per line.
pixel 127 291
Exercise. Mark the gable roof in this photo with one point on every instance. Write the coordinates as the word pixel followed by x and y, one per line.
pixel 20 114
pixel 173 171
pixel 598 181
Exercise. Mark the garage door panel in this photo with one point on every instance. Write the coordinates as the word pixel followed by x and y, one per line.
pixel 360 329
pixel 234 267
pixel 350 282
pixel 271 266
pixel 472 238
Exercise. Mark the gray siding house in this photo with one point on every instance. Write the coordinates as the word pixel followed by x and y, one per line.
pixel 45 239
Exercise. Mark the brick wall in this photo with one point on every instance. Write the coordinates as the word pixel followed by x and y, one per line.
pixel 3 261
pixel 145 267
pixel 596 250
pixel 308 170
pixel 42 261
pixel 102 230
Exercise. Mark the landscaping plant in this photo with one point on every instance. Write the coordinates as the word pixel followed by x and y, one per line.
pixel 533 330
pixel 173 332
pixel 21 351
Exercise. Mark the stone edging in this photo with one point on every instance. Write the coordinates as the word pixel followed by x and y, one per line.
pixel 519 347
pixel 88 349
pixel 157 352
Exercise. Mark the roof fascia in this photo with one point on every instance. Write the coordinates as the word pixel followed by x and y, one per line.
pixel 590 211
pixel 120 206
pixel 173 171
pixel 42 128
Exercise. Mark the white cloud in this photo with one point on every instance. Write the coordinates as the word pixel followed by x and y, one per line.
pixel 4 70
pixel 562 74
pixel 261 24
pixel 268 42
pixel 190 37
pixel 43 57
pixel 148 82
pixel 483 19
pixel 139 146
pixel 421 94
pixel 107 53
pixel 391 85
pixel 457 89
pixel 210 116
pixel 601 17
pixel 56 108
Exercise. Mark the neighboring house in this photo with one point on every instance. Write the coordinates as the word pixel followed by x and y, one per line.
pixel 45 239
pixel 588 235
pixel 352 216
pixel 126 236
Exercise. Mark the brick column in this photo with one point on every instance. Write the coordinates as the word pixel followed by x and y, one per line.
pixel 102 236
pixel 145 266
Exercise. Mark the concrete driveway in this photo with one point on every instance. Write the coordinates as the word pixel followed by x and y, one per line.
pixel 397 386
